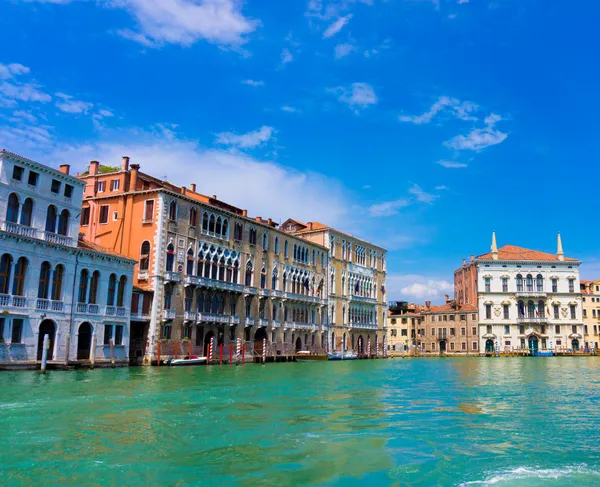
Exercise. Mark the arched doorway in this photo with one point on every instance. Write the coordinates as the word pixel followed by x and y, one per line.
pixel 298 344
pixel 443 346
pixel 47 327
pixel 489 346
pixel 575 344
pixel 533 344
pixel 259 336
pixel 360 345
pixel 207 338
pixel 84 341
pixel 332 341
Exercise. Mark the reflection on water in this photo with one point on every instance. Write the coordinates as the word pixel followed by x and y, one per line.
pixel 423 422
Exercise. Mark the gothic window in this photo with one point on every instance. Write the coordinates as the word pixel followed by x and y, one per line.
pixel 51 219
pixel 112 289
pixel 83 283
pixel 265 241
pixel 145 256
pixel 263 278
pixel 19 279
pixel 248 280
pixel 190 262
pixel 5 270
pixel 276 245
pixel 26 212
pixel 94 287
pixel 286 249
pixel 63 222
pixel 205 222
pixel 44 282
pixel 170 261
pixel 193 217
pixel 12 210
pixel 121 291
pixel 173 210
pixel 57 281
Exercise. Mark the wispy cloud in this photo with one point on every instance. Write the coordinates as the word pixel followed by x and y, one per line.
pixel 452 164
pixel 462 110
pixel 388 208
pixel 286 56
pixel 290 109
pixel 336 26
pixel 343 50
pixel 479 138
pixel 421 195
pixel 68 104
pixel 252 82
pixel 358 95
pixel 8 71
pixel 249 140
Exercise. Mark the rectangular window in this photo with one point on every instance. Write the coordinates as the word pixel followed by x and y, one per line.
pixel 33 178
pixel 558 342
pixel 463 346
pixel 114 185
pixel 555 308
pixel 473 316
pixel 68 191
pixel 474 330
pixel 394 332
pixel 585 313
pixel 107 334
pixel 463 317
pixel 404 332
pixel 506 311
pixel 452 331
pixel 118 334
pixel 17 330
pixel 463 331
pixel 557 329
pixel 55 186
pixel 18 173
pixel 474 345
pixel 585 329
pixel 452 318
pixel 571 285
pixel 521 329
pixel 433 346
pixel 488 311
pixel 507 343
pixel 488 284
pixel 452 346
pixel 574 328
pixel 104 214
pixel 100 187
pixel 504 285
pixel 85 216
pixel 149 211
pixel 166 331
pixel 489 329
pixel 554 285
pixel 507 329
pixel 433 332
pixel 573 312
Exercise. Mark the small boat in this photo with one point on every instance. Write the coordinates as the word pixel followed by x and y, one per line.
pixel 188 360
pixel 307 356
pixel 348 355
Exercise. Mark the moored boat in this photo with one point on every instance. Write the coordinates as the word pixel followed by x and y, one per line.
pixel 307 356
pixel 348 355
pixel 189 360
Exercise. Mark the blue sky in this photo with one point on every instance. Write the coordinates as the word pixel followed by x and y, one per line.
pixel 421 125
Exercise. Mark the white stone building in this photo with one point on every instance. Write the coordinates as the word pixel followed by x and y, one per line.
pixel 51 282
pixel 528 300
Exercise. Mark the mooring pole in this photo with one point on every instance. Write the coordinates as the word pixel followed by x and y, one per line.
pixel 45 349
pixel 93 352
pixel 67 348
pixel 112 353
pixel 158 352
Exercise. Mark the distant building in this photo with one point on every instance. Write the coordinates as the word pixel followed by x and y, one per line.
pixel 403 321
pixel 590 300
pixel 51 282
pixel 355 286
pixel 449 329
pixel 527 299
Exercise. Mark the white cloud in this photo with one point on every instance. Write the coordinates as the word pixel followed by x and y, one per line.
pixel 8 71
pixel 480 138
pixel 462 1
pixel 336 26
pixel 289 109
pixel 452 164
pixel 388 208
pixel 68 104
pixel 358 96
pixel 249 140
pixel 441 188
pixel 416 287
pixel 343 50
pixel 105 113
pixel 252 82
pixel 421 195
pixel 462 110
pixel 26 116
pixel 286 56
pixel 25 92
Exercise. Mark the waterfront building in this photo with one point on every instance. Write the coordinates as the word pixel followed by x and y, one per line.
pixel 403 321
pixel 528 300
pixel 206 271
pixel 355 287
pixel 449 329
pixel 590 301
pixel 52 282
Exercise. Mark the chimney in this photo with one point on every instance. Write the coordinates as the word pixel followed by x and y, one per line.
pixel 559 250
pixel 464 262
pixel 258 219
pixel 64 168
pixel 270 221
pixel 125 163
pixel 214 197
pixel 428 305
pixel 447 298
pixel 193 187
pixel 494 247
pixel 472 258
pixel 133 175
pixel 94 165
pixel 244 212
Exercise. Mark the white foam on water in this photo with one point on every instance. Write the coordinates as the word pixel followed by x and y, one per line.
pixel 530 475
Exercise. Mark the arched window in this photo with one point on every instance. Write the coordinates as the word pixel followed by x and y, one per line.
pixel 173 210
pixel 51 219
pixel 248 280
pixel 519 283
pixel 121 291
pixel 211 224
pixel 57 280
pixel 263 278
pixel 63 222
pixel 236 266
pixel 207 265
pixel 44 282
pixel 83 286
pixel 213 305
pixel 286 249
pixel 94 287
pixel 530 309
pixel 220 305
pixel 200 303
pixel 252 236
pixel 541 310
pixel 295 252
pixel 265 241
pixel 225 228
pixel 222 269
pixel 5 269
pixel 205 222
pixel 12 210
pixel 276 245
pixel 284 282
pixel 229 272
pixel 215 268
pixel 112 288
pixel 193 217
pixel 189 269
pixel 314 257
pixel 529 282
pixel 145 256
pixel 170 261
pixel 19 279
pixel 218 227
pixel 26 212
pixel 539 283
pixel 274 279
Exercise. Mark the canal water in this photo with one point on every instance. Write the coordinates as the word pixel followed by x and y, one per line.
pixel 414 422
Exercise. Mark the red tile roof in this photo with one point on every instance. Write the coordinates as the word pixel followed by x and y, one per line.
pixel 512 252
pixel 86 245
pixel 449 308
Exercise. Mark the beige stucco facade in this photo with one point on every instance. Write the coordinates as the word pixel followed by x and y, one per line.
pixel 590 301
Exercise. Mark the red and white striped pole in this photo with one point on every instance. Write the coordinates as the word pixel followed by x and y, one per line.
pixel 238 348
pixel 210 350
pixel 369 346
pixel 264 357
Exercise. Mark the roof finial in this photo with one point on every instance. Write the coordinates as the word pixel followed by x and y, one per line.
pixel 494 247
pixel 559 251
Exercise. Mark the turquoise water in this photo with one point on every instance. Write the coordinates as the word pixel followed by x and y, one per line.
pixel 414 422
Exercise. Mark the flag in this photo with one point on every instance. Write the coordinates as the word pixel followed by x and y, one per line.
pixel 306 284
pixel 548 311
pixel 356 287
pixel 521 309
pixel 320 287
pixel 383 290
pixel 536 310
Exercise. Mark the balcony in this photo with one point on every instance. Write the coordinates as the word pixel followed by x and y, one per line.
pixel 363 326
pixel 21 230
pixel 172 276
pixel 263 323
pixel 212 318
pixel 169 314
pixel 49 305
pixel 277 294
pixel 531 294
pixel 111 310
pixel 121 311
pixel 304 298
pixel 532 319
pixel 264 292
pixel 93 309
pixel 139 315
pixel 9 301
pixel 234 320
pixel 362 299
pixel 143 275
pixel 189 316
pixel 55 238
pixel 249 321
pixel 213 284
pixel 304 326
pixel 442 335
pixel 275 324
